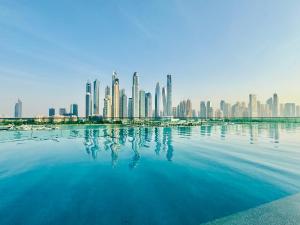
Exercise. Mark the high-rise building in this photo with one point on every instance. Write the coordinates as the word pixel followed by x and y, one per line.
pixel 252 105
pixel 96 109
pixel 130 108
pixel 62 111
pixel 174 111
pixel 203 111
pixel 107 107
pixel 157 101
pixel 148 105
pixel 164 101
pixel 275 105
pixel 298 110
pixel 74 110
pixel 123 104
pixel 290 110
pixel 269 107
pixel 88 99
pixel 219 114
pixel 18 109
pixel 135 96
pixel 189 108
pixel 115 96
pixel 51 112
pixel 107 103
pixel 107 91
pixel 142 104
pixel 282 110
pixel 222 105
pixel 169 95
pixel 209 110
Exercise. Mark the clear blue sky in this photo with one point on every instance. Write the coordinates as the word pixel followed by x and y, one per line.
pixel 214 49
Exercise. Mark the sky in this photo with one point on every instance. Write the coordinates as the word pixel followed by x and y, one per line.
pixel 213 49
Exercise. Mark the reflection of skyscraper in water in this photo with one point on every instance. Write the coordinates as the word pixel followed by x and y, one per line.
pixel 223 131
pixel 274 132
pixel 91 142
pixel 203 130
pixel 135 148
pixel 157 139
pixel 167 141
pixel 122 136
pixel 184 131
pixel 208 130
pixel 253 133
pixel 148 134
pixel 164 139
pixel 95 140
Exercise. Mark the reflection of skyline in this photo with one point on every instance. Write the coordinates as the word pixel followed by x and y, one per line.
pixel 98 140
pixel 114 139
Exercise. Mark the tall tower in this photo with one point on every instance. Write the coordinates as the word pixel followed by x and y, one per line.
pixel 157 101
pixel 148 105
pixel 123 104
pixel 142 104
pixel 275 105
pixel 135 96
pixel 96 97
pixel 203 111
pixel 169 95
pixel 107 103
pixel 115 96
pixel 252 105
pixel 164 101
pixel 18 109
pixel 74 110
pixel 88 99
pixel 116 99
pixel 130 108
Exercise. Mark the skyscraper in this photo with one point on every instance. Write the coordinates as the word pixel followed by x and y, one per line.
pixel 107 107
pixel 62 111
pixel 252 105
pixel 142 103
pixel 115 96
pixel 222 105
pixel 290 110
pixel 148 105
pixel 135 96
pixel 203 112
pixel 275 105
pixel 18 109
pixel 51 112
pixel 209 110
pixel 130 108
pixel 107 103
pixel 96 97
pixel 74 109
pixel 88 99
pixel 189 108
pixel 123 104
pixel 169 95
pixel 164 101
pixel 157 101
pixel 298 110
pixel 269 107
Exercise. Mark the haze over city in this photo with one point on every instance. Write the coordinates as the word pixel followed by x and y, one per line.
pixel 48 50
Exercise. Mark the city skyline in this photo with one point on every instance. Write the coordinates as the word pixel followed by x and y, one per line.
pixel 215 51
pixel 116 104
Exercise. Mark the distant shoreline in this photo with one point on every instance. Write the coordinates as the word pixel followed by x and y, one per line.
pixel 29 124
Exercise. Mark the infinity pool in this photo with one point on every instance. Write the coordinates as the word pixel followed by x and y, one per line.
pixel 113 175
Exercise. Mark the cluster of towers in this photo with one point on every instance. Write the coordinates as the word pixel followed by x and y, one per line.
pixel 118 106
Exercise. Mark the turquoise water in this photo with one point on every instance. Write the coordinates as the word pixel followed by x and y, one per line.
pixel 110 175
